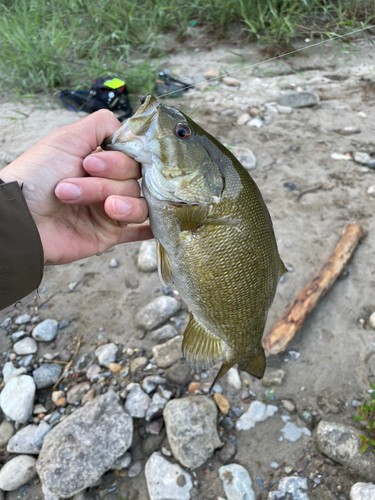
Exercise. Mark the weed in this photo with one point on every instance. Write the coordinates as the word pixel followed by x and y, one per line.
pixel 367 414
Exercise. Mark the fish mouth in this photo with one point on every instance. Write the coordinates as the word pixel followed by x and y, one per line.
pixel 139 128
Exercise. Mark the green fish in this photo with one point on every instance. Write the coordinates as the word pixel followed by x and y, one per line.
pixel 214 235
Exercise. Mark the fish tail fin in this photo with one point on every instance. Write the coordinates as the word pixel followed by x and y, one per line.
pixel 201 348
pixel 225 367
pixel 254 363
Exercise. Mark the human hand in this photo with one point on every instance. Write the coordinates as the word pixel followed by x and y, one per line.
pixel 81 200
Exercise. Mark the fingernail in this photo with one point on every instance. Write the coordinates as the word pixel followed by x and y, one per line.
pixel 121 207
pixel 68 191
pixel 94 164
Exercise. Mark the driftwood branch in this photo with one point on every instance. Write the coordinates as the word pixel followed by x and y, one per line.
pixel 292 320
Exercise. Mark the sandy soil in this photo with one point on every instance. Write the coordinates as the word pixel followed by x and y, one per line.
pixel 336 352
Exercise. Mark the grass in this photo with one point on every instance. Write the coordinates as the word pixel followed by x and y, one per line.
pixel 49 44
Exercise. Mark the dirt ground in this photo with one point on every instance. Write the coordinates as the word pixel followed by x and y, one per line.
pixel 336 351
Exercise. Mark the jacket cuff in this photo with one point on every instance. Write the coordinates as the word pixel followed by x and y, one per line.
pixel 21 250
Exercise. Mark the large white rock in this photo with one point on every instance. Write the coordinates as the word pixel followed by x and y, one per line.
pixel 362 491
pixel 17 398
pixel 236 482
pixel 257 412
pixel 166 481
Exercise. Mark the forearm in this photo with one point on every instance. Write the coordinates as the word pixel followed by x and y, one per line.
pixel 21 251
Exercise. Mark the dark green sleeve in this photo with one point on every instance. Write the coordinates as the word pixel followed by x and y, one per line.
pixel 21 251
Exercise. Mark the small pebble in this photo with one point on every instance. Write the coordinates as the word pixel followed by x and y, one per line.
pixel 233 378
pixel 361 158
pixel 135 469
pixel 290 186
pixel 114 367
pixel 21 320
pixel 138 363
pixel 63 324
pixel 61 402
pixel 57 395
pixel 243 119
pixel 25 346
pixel 45 331
pixel 211 73
pixel 274 465
pixel 340 156
pixel 231 82
pixel 361 114
pixel 194 386
pixel 348 130
pixel 222 403
pixel 256 122
pixel 371 164
pixel 371 321
pixel 113 263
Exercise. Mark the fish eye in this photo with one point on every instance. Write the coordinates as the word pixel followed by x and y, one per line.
pixel 182 131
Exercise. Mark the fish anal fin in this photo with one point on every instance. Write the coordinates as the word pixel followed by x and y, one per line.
pixel 201 348
pixel 192 216
pixel 164 265
pixel 225 367
pixel 282 268
pixel 254 363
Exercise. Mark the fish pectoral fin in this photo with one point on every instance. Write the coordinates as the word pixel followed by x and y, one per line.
pixel 282 268
pixel 254 363
pixel 164 265
pixel 201 348
pixel 191 216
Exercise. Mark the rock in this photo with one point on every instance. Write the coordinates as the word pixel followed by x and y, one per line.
pixel 257 412
pixel 17 472
pixel 194 386
pixel 56 395
pixel 231 82
pixel 299 99
pixel 10 371
pixel 61 402
pixel 290 488
pixel 17 398
pixel 156 312
pixel 80 449
pixel 122 462
pixel 371 322
pixel 236 482
pixel 25 346
pixel 371 190
pixel 154 428
pixel 227 452
pixel 46 375
pixel 246 157
pixel 211 73
pixel 284 110
pixel 39 408
pixel 191 429
pixel 361 158
pixel 76 393
pixel 256 122
pixel 115 367
pixel 150 383
pixel 106 354
pixel 362 491
pixel 292 432
pixel 342 444
pixel 288 405
pixel 147 261
pixel 46 330
pixel 166 332
pixel 222 403
pixel 6 432
pixel 166 481
pixel 340 156
pixel 93 371
pixel 63 324
pixel 135 469
pixel 29 439
pixel 16 336
pixel 90 394
pixel 156 407
pixel 243 119
pixel 138 363
pixel 137 403
pixel 371 164
pixel 168 353
pixel 233 378
pixel 179 373
pixel 113 263
pixel 348 131
pixel 273 377
pixel 21 320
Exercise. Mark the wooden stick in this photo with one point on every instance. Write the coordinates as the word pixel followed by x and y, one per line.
pixel 286 328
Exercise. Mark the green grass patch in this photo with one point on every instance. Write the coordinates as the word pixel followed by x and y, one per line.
pixel 46 45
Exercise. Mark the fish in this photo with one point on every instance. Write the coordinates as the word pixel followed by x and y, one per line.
pixel 214 235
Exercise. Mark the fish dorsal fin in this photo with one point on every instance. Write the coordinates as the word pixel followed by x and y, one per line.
pixel 254 363
pixel 282 268
pixel 164 265
pixel 192 216
pixel 201 348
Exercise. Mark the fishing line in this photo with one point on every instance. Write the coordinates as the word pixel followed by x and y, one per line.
pixel 271 59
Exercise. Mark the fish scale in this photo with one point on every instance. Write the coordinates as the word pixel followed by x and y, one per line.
pixel 214 235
